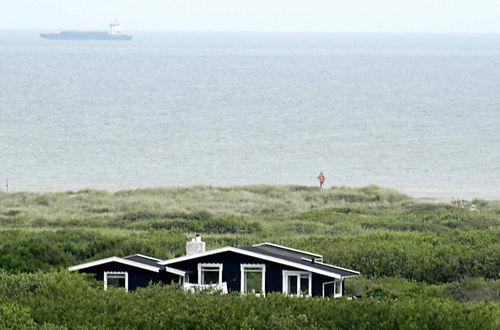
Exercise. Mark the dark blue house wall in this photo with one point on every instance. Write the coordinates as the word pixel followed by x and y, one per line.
pixel 317 284
pixel 231 271
pixel 169 278
pixel 137 277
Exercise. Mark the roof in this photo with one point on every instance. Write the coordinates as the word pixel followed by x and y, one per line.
pixel 316 264
pixel 267 251
pixel 135 260
pixel 122 261
pixel 286 251
pixel 265 254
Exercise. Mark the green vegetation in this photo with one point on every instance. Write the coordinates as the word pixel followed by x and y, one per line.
pixel 60 298
pixel 427 265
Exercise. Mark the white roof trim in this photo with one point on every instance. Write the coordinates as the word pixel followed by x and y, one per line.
pixel 288 248
pixel 175 271
pixel 118 260
pixel 143 256
pixel 346 269
pixel 207 253
pixel 255 255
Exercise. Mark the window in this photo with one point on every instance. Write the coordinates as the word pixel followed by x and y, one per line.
pixel 338 288
pixel 116 279
pixel 253 278
pixel 297 283
pixel 332 289
pixel 209 273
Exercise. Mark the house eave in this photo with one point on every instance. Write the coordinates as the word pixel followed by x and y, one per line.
pixel 342 268
pixel 117 260
pixel 142 256
pixel 256 255
pixel 315 255
pixel 175 271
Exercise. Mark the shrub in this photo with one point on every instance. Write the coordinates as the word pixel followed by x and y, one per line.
pixel 72 301
pixel 13 316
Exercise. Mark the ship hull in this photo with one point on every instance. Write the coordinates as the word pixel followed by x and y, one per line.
pixel 85 36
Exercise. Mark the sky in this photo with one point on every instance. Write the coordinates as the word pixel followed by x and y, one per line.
pixel 256 15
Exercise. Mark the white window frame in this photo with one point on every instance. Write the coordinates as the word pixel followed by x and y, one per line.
pixel 336 283
pixel 115 273
pixel 242 277
pixel 287 273
pixel 200 266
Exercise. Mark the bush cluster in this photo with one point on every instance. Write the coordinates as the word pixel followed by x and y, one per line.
pixel 427 257
pixel 62 300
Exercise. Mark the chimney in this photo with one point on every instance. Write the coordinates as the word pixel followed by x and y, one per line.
pixel 195 246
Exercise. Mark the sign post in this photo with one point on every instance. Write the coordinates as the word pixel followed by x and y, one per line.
pixel 321 179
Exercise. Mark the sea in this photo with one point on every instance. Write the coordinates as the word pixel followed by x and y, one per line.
pixel 419 113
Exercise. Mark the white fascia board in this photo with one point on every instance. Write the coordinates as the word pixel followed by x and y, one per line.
pixel 143 256
pixel 255 255
pixel 193 256
pixel 115 259
pixel 348 270
pixel 288 248
pixel 175 271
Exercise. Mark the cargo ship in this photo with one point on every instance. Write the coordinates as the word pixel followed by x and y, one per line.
pixel 115 33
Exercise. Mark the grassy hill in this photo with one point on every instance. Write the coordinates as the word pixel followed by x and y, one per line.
pixel 404 247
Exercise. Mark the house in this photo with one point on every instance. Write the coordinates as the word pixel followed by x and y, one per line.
pixel 131 272
pixel 257 269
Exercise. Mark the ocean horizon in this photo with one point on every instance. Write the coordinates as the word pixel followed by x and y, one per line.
pixel 419 113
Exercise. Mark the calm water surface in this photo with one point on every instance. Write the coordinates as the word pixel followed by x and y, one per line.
pixel 418 113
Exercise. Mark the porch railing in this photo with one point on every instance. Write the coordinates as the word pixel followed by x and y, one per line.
pixel 193 287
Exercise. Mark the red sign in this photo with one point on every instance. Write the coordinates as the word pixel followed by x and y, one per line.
pixel 321 178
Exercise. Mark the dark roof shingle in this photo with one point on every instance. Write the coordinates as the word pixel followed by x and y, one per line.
pixel 287 252
pixel 144 259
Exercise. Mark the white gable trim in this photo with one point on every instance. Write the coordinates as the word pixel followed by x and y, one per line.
pixel 118 260
pixel 143 256
pixel 349 270
pixel 207 253
pixel 175 271
pixel 318 256
pixel 255 255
